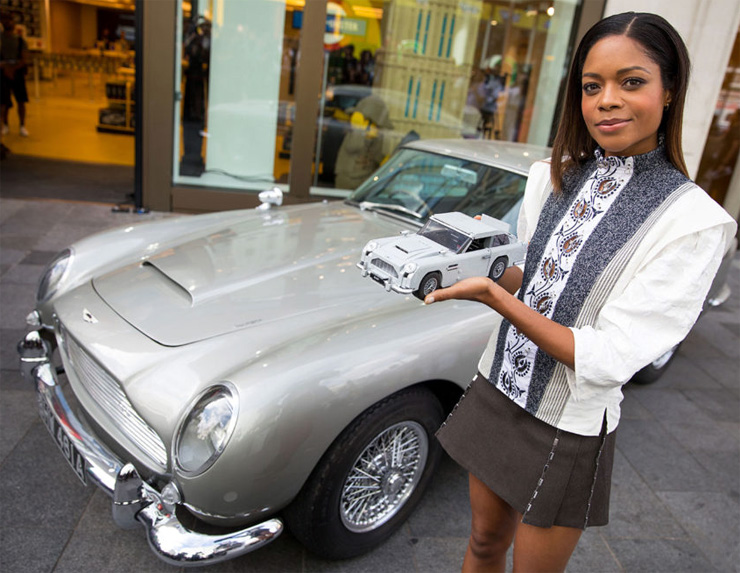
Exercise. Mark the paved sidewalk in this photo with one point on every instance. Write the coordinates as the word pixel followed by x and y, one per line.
pixel 675 496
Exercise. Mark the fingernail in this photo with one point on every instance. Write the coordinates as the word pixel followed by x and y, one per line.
pixel 429 300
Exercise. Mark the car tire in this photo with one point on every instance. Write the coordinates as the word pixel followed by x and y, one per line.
pixel 333 516
pixel 656 368
pixel 430 283
pixel 498 268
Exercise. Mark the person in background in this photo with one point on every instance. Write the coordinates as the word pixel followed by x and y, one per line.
pixel 622 250
pixel 122 44
pixel 14 62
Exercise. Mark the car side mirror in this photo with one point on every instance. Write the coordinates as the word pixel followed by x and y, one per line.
pixel 269 198
pixel 405 233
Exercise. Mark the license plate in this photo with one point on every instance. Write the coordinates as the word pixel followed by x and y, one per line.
pixel 70 453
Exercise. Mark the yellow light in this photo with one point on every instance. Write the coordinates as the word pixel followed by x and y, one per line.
pixel 550 11
pixel 494 22
pixel 368 12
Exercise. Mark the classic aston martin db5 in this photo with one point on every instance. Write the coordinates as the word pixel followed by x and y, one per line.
pixel 235 370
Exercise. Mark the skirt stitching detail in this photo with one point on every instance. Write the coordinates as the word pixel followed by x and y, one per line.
pixel 544 471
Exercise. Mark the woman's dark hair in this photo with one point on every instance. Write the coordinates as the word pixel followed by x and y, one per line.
pixel 662 44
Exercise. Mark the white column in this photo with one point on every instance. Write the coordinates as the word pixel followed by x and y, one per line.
pixel 708 27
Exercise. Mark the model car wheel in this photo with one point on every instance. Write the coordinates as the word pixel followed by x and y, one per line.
pixel 656 368
pixel 371 478
pixel 498 268
pixel 430 283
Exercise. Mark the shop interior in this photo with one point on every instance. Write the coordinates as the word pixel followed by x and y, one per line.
pixel 80 81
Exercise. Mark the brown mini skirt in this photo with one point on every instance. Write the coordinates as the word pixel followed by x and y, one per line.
pixel 550 476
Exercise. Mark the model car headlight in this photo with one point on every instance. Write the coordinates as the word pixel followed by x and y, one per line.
pixel 370 247
pixel 410 268
pixel 53 275
pixel 204 432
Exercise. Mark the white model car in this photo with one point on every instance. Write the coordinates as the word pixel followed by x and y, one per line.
pixel 448 248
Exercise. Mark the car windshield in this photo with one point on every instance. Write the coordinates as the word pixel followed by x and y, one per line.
pixel 417 184
pixel 448 237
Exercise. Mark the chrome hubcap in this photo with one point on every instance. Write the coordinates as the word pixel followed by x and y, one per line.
pixel 430 286
pixel 384 476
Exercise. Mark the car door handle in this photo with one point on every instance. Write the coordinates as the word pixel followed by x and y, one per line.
pixel 486 256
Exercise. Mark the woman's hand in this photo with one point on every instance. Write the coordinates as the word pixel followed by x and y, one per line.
pixel 480 289
pixel 553 338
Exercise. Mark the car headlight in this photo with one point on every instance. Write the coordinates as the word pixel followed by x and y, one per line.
pixel 204 432
pixel 370 247
pixel 55 271
pixel 410 268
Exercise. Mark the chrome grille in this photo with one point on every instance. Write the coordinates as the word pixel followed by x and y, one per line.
pixel 107 394
pixel 384 266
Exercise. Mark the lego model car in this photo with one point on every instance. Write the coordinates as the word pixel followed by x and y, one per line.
pixel 448 248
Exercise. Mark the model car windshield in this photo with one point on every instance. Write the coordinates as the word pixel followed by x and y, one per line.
pixel 446 236
pixel 417 184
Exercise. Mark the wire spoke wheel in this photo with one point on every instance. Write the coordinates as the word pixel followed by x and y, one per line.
pixel 384 476
pixel 371 478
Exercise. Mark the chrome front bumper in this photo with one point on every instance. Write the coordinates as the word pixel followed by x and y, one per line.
pixel 386 281
pixel 134 501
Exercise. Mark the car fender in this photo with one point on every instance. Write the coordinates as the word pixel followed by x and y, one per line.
pixel 306 396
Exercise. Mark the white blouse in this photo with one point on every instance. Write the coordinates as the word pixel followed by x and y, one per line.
pixel 652 307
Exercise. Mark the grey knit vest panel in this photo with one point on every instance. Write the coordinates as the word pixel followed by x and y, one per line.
pixel 654 180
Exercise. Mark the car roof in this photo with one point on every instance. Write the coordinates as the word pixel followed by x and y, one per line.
pixel 470 226
pixel 509 155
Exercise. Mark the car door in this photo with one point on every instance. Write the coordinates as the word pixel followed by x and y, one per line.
pixel 474 262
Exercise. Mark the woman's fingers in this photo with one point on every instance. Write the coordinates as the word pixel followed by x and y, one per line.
pixel 468 289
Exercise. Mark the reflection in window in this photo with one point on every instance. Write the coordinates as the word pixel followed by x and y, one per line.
pixel 399 71
pixel 427 183
pixel 234 131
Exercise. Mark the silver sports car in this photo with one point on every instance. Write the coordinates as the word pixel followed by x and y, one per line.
pixel 235 370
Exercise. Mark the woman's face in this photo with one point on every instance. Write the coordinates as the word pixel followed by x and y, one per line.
pixel 622 96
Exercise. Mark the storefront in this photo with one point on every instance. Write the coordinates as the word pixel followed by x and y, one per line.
pixel 313 96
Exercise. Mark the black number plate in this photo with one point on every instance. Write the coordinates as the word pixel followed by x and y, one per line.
pixel 70 453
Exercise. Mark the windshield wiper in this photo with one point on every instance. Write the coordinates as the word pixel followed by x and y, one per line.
pixel 370 206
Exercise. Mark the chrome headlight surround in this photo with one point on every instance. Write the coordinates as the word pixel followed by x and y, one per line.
pixel 410 268
pixel 205 429
pixel 56 271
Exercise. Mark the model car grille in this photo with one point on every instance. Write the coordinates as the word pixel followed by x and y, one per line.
pixel 106 392
pixel 384 266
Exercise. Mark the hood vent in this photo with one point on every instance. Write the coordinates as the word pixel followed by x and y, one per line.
pixel 177 287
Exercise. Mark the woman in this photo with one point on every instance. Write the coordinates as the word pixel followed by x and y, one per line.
pixel 622 251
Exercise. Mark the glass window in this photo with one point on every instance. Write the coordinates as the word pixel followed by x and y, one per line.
pixel 396 71
pixel 236 71
pixel 419 184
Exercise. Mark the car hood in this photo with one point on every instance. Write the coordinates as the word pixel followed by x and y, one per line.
pixel 285 264
pixel 398 251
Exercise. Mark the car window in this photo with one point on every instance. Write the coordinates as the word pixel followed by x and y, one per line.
pixel 427 183
pixel 500 240
pixel 449 238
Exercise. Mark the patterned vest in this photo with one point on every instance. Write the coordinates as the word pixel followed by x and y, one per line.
pixel 583 240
